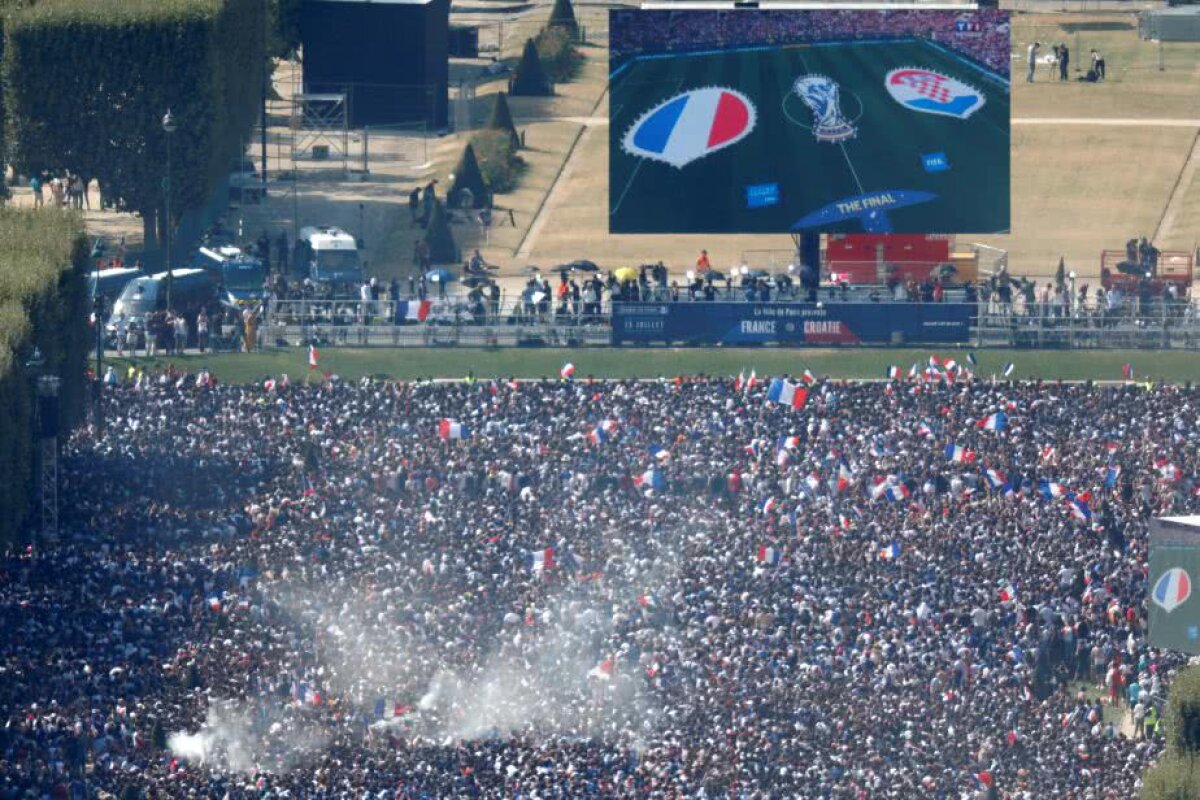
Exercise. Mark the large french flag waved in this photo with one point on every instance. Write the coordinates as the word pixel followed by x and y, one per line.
pixel 449 429
pixel 1051 490
pixel 540 561
pixel 785 393
pixel 691 125
pixel 768 555
pixel 994 422
pixel 651 479
pixel 958 453
pixel 413 310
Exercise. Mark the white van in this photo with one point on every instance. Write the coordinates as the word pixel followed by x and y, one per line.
pixel 328 255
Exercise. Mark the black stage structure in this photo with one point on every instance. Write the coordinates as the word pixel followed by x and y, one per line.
pixel 389 57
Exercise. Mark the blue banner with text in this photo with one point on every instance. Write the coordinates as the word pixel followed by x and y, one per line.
pixel 817 324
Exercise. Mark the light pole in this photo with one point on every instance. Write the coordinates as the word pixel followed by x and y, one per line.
pixel 168 125
pixel 98 315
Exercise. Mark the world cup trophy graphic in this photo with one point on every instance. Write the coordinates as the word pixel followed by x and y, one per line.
pixel 821 95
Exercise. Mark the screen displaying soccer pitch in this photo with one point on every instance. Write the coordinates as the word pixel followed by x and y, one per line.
pixel 832 121
pixel 1174 567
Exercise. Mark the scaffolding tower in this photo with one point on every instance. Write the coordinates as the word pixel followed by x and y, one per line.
pixel 321 129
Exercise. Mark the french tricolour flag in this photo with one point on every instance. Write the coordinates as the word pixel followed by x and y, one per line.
pixel 313 357
pixel 540 561
pixel 787 443
pixel 845 478
pixel 994 422
pixel 449 429
pixel 651 479
pixel 959 454
pixel 897 492
pixel 995 477
pixel 1111 474
pixel 891 552
pixel 786 393
pixel 1079 507
pixel 768 555
pixel 769 505
pixel 413 310
pixel 1051 490
pixel 808 378
pixel 567 372
pixel 658 452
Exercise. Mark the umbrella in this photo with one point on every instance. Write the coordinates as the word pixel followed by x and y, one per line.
pixel 440 276
pixel 625 274
pixel 758 273
pixel 583 265
pixel 477 280
pixel 530 270
pixel 715 275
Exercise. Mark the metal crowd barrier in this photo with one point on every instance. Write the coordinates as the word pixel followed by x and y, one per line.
pixel 1159 324
pixel 441 322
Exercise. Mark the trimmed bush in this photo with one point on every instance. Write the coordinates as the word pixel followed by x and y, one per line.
pixel 563 16
pixel 501 118
pixel 530 79
pixel 467 177
pixel 442 249
pixel 43 304
pixel 98 113
pixel 498 160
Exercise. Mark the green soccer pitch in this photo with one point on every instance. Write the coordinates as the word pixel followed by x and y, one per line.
pixel 708 195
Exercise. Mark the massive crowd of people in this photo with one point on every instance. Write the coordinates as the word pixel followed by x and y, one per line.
pixel 560 589
pixel 981 35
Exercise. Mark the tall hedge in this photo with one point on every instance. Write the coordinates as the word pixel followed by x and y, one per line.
pixel 86 84
pixel 1176 776
pixel 43 304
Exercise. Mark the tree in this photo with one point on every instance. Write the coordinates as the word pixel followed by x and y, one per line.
pixel 558 54
pixel 530 79
pixel 142 58
pixel 468 177
pixel 563 16
pixel 501 118
pixel 498 160
pixel 442 249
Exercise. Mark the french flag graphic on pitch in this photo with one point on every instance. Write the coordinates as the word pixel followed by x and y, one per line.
pixel 691 125
pixel 1172 589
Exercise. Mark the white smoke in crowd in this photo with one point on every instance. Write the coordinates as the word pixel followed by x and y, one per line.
pixel 237 738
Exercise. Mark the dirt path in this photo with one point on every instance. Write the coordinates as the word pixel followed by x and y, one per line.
pixel 1129 122
pixel 1175 204
pixel 557 189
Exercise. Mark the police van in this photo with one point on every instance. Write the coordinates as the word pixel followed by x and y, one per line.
pixel 241 275
pixel 328 256
pixel 191 290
